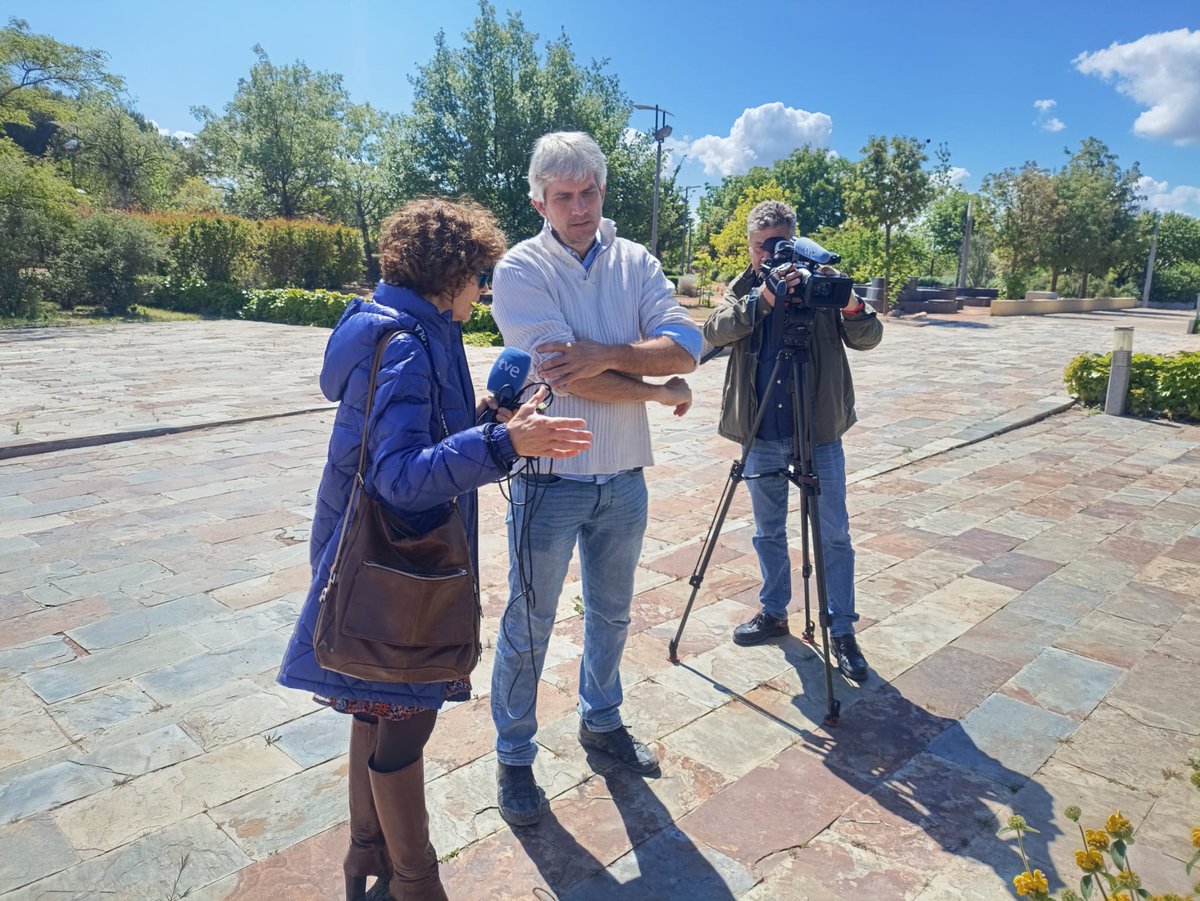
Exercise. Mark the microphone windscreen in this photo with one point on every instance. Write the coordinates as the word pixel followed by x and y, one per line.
pixel 508 375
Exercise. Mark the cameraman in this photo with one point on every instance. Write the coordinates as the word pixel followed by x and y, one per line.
pixel 743 321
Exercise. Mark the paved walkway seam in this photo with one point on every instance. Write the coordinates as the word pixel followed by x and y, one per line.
pixel 35 448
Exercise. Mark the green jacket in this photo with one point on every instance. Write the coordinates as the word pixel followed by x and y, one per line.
pixel 733 323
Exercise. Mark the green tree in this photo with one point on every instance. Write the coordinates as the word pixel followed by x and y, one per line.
pixel 120 156
pixel 809 179
pixel 865 254
pixel 37 210
pixel 36 72
pixel 279 139
pixel 943 226
pixel 362 193
pixel 1026 212
pixel 478 109
pixel 1099 201
pixel 728 254
pixel 888 187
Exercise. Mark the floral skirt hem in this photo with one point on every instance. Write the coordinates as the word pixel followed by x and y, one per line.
pixel 458 690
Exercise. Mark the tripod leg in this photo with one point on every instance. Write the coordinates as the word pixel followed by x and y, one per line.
pixel 811 487
pixel 714 529
pixel 706 551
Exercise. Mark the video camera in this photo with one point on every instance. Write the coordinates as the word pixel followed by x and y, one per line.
pixel 830 292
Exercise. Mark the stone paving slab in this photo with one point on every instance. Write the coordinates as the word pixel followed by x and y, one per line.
pixel 1025 599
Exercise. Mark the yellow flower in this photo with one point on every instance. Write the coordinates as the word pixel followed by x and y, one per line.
pixel 1089 861
pixel 1196 838
pixel 1128 879
pixel 1118 826
pixel 1031 883
pixel 1097 839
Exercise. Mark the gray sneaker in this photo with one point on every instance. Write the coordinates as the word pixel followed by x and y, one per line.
pixel 518 795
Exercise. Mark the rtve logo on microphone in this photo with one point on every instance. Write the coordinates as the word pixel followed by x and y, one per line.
pixel 511 369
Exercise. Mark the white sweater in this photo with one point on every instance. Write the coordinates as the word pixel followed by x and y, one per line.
pixel 541 293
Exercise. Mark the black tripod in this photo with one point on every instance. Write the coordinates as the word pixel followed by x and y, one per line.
pixel 794 359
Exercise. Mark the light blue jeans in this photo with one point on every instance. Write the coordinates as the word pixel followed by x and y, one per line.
pixel 548 516
pixel 769 499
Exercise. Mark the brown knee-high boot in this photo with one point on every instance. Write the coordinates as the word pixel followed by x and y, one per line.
pixel 368 855
pixel 400 803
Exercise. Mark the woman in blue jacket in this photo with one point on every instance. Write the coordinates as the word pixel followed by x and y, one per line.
pixel 434 256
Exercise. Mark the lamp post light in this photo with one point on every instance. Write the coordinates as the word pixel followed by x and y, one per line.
pixel 662 131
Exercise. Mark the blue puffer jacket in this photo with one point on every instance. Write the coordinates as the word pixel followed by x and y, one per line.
pixel 410 467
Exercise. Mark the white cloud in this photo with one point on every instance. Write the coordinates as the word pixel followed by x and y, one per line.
pixel 760 136
pixel 1160 196
pixel 958 175
pixel 1160 71
pixel 1044 120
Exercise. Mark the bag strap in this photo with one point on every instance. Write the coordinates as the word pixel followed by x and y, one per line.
pixel 359 483
pixel 419 331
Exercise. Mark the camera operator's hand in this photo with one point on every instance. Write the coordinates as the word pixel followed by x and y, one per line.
pixel 535 435
pixel 787 273
pixel 856 304
pixel 676 392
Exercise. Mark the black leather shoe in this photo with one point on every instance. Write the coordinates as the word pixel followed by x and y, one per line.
pixel 762 628
pixel 520 799
pixel 850 659
pixel 633 754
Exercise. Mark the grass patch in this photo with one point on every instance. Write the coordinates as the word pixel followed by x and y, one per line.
pixel 50 316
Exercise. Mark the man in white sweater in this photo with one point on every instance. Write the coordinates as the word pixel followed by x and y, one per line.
pixel 597 314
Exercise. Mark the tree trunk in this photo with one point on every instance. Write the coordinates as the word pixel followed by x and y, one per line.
pixel 1083 285
pixel 1053 279
pixel 371 267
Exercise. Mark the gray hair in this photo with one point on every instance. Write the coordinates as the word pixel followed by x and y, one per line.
pixel 565 156
pixel 770 214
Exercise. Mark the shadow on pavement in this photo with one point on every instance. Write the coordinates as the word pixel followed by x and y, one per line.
pixel 662 860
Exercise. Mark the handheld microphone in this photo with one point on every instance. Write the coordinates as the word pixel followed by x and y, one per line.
pixel 507 378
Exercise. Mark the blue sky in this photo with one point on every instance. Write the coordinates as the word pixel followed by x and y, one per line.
pixel 1000 83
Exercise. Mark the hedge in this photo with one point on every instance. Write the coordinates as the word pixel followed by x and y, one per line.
pixel 215 248
pixel 1158 385
pixel 293 306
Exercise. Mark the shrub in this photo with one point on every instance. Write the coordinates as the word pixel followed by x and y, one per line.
pixel 217 299
pixel 308 254
pixel 294 306
pixel 207 247
pixel 480 329
pixel 1158 385
pixel 1178 282
pixel 105 262
pixel 37 211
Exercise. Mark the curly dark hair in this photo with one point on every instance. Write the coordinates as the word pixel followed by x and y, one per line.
pixel 434 246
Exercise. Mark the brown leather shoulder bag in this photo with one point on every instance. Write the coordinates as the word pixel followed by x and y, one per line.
pixel 400 605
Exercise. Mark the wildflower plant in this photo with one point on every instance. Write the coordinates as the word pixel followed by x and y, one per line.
pixel 1103 859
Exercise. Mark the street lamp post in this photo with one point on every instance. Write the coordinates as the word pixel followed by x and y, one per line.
pixel 684 255
pixel 662 131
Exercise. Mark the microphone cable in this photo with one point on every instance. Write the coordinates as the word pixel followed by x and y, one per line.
pixel 535 485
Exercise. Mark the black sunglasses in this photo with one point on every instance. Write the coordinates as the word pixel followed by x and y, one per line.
pixel 484 279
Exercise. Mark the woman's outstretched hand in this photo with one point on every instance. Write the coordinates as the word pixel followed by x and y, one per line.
pixel 535 435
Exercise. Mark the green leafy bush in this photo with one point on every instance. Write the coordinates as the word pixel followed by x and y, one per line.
pixel 217 299
pixel 294 306
pixel 1158 385
pixel 480 329
pixel 106 261
pixel 207 247
pixel 308 254
pixel 37 211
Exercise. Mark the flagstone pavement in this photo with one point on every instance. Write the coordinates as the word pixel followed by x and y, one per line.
pixel 1028 575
